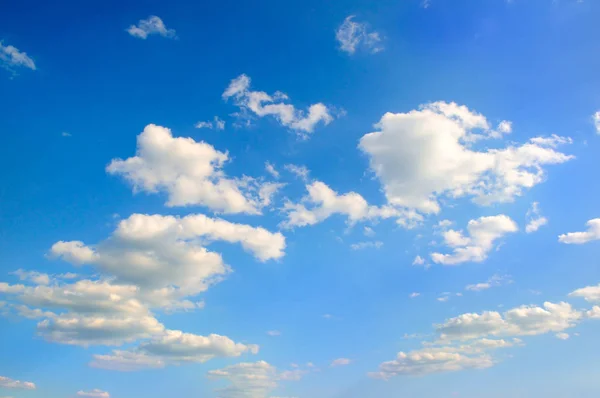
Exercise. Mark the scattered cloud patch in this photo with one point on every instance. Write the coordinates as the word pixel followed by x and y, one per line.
pixel 534 219
pixel 579 238
pixel 494 281
pixel 366 245
pixel 153 25
pixel 271 170
pixel 482 234
pixel 95 393
pixel 353 36
pixel 262 104
pixel 274 333
pixel 217 124
pixel 7 382
pixel 340 362
pixel 414 295
pixel 11 59
pixel 596 119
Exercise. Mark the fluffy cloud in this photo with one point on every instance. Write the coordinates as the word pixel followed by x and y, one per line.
pixel 322 202
pixel 578 238
pixel 534 219
pixel 495 280
pixel 426 154
pixel 11 57
pixel 475 247
pixel 172 347
pixel 36 277
pixel 262 104
pixel 520 321
pixel 352 36
pixel 247 380
pixel 153 25
pixel 596 118
pixel 165 252
pixel 95 393
pixel 588 293
pixel 190 172
pixel 7 382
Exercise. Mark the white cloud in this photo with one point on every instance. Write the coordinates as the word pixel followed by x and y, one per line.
pixel 425 154
pixel 217 124
pixel 74 252
pixel 534 219
pixel 366 245
pixel 165 252
pixel 418 261
pixel 271 170
pixel 323 202
pixel 262 104
pixel 172 347
pixel 153 25
pixel 495 280
pixel 247 380
pixel 340 362
pixel 578 238
pixel 414 295
pixel 190 172
pixel 299 171
pixel 368 231
pixel 589 293
pixel 596 118
pixel 11 58
pixel 562 336
pixel 95 393
pixel 353 35
pixel 520 321
pixel 274 333
pixel 36 277
pixel 7 382
pixel 475 247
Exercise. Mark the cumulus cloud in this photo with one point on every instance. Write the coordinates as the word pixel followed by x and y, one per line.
pixel 11 58
pixel 495 280
pixel 7 382
pixel 482 233
pixel 352 36
pixel 190 172
pixel 534 219
pixel 588 293
pixel 165 252
pixel 95 393
pixel 153 25
pixel 426 154
pixel 172 347
pixel 262 104
pixel 322 202
pixel 578 238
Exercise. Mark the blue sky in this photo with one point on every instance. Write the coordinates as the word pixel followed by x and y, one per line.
pixel 299 199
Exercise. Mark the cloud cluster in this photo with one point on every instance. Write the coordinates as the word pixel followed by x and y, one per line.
pixel 482 234
pixel 7 382
pixel 153 25
pixel 427 154
pixel 262 104
pixel 190 172
pixel 352 36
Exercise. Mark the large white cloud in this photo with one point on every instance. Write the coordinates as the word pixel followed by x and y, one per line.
pixel 352 36
pixel 7 382
pixel 190 172
pixel 483 232
pixel 167 252
pixel 153 25
pixel 262 104
pixel 578 238
pixel 427 154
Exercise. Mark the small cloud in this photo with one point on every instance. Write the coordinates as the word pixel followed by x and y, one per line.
pixel 65 134
pixel 353 35
pixel 274 333
pixel 299 171
pixel 217 124
pixel 596 119
pixel 151 26
pixel 562 336
pixel 414 295
pixel 271 170
pixel 368 231
pixel 366 245
pixel 11 58
pixel 534 219
pixel 340 362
